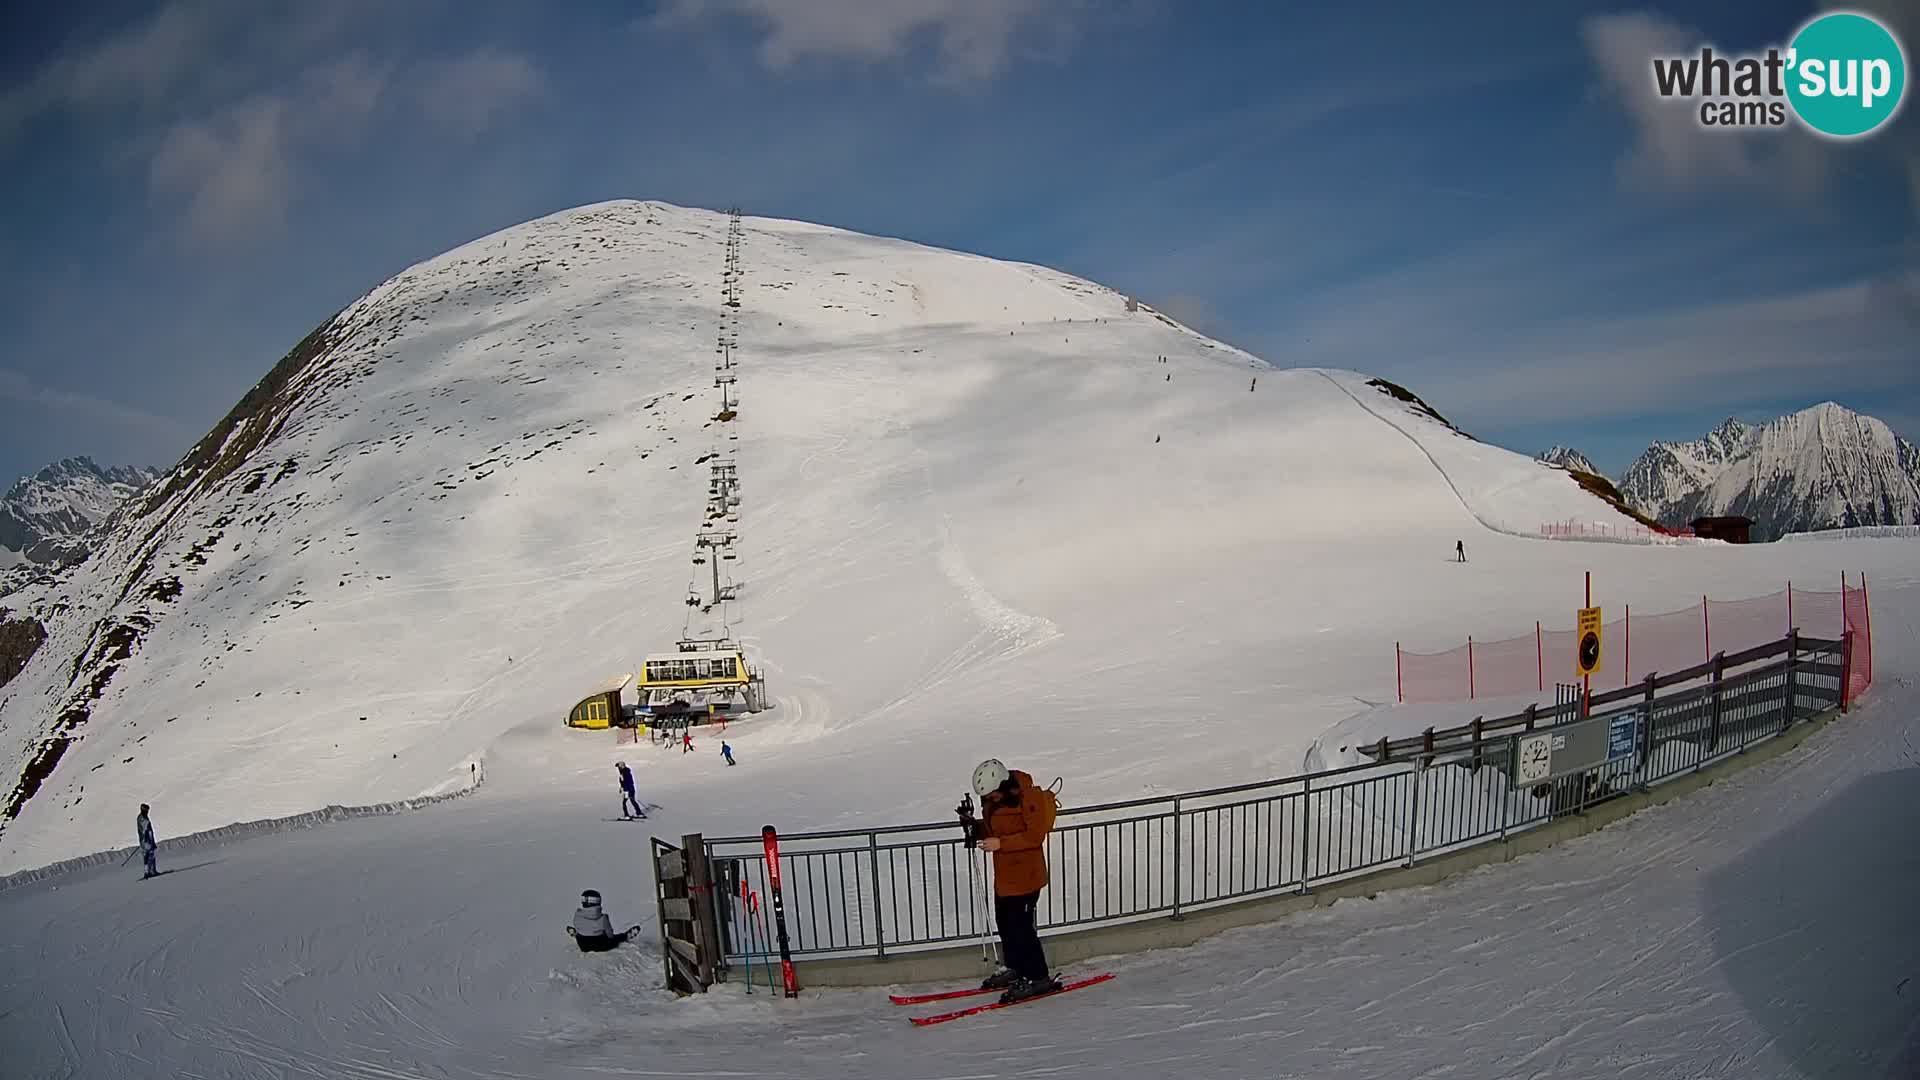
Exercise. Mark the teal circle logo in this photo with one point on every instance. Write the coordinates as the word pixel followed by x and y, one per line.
pixel 1847 74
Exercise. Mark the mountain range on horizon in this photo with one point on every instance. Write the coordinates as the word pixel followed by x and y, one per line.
pixel 46 517
pixel 1823 467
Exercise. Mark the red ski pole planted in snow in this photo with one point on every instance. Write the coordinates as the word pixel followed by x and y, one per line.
pixel 772 841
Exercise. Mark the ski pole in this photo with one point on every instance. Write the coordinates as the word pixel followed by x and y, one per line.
pixel 746 916
pixel 986 930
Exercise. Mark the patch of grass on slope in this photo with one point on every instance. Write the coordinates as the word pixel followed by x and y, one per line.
pixel 1604 489
pixel 1401 393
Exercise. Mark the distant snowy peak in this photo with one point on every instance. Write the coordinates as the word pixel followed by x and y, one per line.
pixel 1822 467
pixel 1570 459
pixel 45 518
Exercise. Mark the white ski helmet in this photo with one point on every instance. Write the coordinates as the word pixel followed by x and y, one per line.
pixel 988 776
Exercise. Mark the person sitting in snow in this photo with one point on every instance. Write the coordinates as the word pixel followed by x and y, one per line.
pixel 591 929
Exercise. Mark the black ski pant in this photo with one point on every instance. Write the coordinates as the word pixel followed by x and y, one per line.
pixel 1019 941
pixel 596 943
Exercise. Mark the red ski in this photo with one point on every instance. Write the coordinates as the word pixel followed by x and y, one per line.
pixel 944 995
pixel 923 1021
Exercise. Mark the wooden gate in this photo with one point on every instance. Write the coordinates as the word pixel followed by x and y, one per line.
pixel 689 933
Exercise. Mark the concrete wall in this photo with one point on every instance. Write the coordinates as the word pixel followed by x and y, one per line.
pixel 965 963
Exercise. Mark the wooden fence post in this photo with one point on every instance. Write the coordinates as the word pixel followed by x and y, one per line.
pixel 1646 726
pixel 1713 728
pixel 700 893
pixel 1793 664
pixel 1469 667
pixel 1846 666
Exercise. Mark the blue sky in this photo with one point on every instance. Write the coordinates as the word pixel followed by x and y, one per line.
pixel 1489 209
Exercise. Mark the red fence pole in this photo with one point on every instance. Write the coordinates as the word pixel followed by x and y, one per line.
pixel 1469 667
pixel 1399 681
pixel 1706 626
pixel 1626 665
pixel 1789 606
pixel 1539 658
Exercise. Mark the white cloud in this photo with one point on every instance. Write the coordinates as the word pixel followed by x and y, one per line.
pixel 15 386
pixel 335 99
pixel 220 103
pixel 140 63
pixel 231 170
pixel 235 170
pixel 1671 147
pixel 469 94
pixel 1673 151
pixel 972 40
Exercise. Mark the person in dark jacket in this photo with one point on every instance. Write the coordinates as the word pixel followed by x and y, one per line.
pixel 1015 818
pixel 629 803
pixel 591 928
pixel 148 846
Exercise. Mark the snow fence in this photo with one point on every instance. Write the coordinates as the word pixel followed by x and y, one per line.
pixel 1638 645
pixel 908 888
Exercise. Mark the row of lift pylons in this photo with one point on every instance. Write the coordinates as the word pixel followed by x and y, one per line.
pixel 707 677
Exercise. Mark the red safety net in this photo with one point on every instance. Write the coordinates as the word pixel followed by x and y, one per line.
pixel 1859 618
pixel 1636 646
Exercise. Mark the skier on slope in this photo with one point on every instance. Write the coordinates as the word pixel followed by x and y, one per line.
pixel 630 807
pixel 148 846
pixel 592 930
pixel 1015 818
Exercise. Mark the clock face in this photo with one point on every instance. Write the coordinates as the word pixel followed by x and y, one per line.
pixel 1589 651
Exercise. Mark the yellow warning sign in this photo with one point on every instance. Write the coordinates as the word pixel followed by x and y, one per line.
pixel 1587 661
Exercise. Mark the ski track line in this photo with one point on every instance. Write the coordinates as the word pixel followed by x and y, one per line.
pixel 1428 454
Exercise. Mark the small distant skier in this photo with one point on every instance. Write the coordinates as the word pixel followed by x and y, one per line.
pixel 726 751
pixel 1460 551
pixel 686 741
pixel 148 846
pixel 1015 818
pixel 592 930
pixel 630 807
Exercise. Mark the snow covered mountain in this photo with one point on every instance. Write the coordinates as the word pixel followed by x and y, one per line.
pixel 44 518
pixel 972 489
pixel 1568 458
pixel 1822 467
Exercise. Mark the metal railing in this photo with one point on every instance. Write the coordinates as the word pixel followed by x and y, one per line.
pixel 871 892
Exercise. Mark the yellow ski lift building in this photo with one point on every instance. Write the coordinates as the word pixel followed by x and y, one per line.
pixel 704 680
pixel 600 709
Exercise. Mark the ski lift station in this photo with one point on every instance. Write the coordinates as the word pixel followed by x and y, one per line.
pixel 601 708
pixel 704 680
